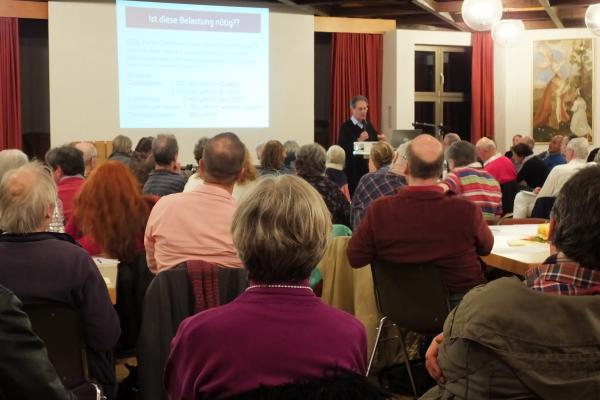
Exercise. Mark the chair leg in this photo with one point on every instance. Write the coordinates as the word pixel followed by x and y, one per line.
pixel 407 363
pixel 379 329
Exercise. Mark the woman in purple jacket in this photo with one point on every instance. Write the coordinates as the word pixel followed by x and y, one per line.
pixel 277 331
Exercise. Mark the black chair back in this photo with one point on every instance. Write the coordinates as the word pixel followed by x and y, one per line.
pixel 60 329
pixel 411 295
pixel 509 192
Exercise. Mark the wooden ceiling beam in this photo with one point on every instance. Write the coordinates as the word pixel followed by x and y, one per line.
pixel 455 6
pixel 569 3
pixel 547 24
pixel 571 13
pixel 431 6
pixel 551 11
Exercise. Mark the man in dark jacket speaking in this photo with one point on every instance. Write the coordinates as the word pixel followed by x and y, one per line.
pixel 357 129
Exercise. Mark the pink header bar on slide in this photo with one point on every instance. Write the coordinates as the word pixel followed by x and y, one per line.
pixel 187 20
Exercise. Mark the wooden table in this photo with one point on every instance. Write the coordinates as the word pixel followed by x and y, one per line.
pixel 513 254
pixel 108 269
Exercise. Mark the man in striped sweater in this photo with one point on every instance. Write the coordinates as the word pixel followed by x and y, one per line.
pixel 470 180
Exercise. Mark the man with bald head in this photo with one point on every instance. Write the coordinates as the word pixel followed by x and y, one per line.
pixel 450 138
pixel 421 224
pixel 90 156
pixel 196 225
pixel 501 167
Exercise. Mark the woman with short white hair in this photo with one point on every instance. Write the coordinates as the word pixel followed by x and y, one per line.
pixel 11 159
pixel 336 159
pixel 277 326
pixel 42 267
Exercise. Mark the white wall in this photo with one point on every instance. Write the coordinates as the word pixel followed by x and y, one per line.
pixel 398 94
pixel 513 75
pixel 84 82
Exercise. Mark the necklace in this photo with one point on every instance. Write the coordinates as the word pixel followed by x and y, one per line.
pixel 279 286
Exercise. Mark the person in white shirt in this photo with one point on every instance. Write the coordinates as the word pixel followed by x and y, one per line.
pixel 576 155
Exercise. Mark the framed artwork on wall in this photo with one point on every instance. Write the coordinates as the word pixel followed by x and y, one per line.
pixel 563 84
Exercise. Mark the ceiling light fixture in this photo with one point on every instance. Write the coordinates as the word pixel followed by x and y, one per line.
pixel 481 15
pixel 507 32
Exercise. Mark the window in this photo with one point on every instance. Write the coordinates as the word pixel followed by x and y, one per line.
pixel 443 88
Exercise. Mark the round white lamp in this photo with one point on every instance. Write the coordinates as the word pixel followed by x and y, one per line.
pixel 507 32
pixel 481 15
pixel 592 19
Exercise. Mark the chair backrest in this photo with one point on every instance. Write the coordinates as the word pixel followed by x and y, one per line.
pixel 509 192
pixel 60 328
pixel 133 279
pixel 543 207
pixel 411 295
pixel 169 300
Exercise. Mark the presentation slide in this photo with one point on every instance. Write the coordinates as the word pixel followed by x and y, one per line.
pixel 192 66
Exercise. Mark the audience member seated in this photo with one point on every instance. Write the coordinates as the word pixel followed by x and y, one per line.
pixel 67 169
pixel 121 149
pixel 528 140
pixel 500 168
pixel 291 148
pixel 196 225
pixel 381 155
pixel 165 179
pixel 271 158
pixel 553 156
pixel 469 179
pixel 515 139
pixel 336 159
pixel 576 154
pixel 496 164
pixel 449 139
pixel 540 339
pixel 421 224
pixel 247 179
pixel 111 213
pixel 310 163
pixel 277 331
pixel 24 366
pixel 259 150
pixel 373 185
pixel 142 161
pixel 11 159
pixel 48 267
pixel 196 180
pixel 532 170
pixel 90 156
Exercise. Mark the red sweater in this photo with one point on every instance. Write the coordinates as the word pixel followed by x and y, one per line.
pixel 502 169
pixel 67 190
pixel 422 224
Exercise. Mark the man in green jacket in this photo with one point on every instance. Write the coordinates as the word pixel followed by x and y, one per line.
pixel 534 339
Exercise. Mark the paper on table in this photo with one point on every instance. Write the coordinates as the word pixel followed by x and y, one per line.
pixel 522 250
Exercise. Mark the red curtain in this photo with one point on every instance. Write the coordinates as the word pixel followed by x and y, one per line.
pixel 356 68
pixel 482 86
pixel 10 90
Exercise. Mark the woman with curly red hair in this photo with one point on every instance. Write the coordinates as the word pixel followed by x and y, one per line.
pixel 111 213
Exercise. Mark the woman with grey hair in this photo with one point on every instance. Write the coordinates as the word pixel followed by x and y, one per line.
pixel 336 158
pixel 11 159
pixel 280 229
pixel 41 267
pixel 310 163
